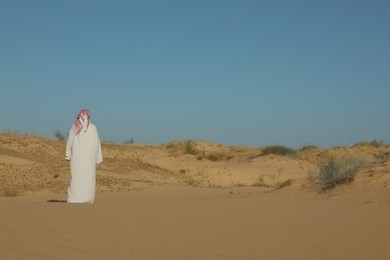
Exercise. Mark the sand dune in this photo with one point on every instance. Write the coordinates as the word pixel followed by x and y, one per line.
pixel 193 200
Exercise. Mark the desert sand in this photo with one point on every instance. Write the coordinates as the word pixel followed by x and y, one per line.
pixel 192 200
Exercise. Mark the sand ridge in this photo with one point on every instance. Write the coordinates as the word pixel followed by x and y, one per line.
pixel 31 164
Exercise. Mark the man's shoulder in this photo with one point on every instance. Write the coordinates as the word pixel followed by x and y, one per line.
pixel 92 126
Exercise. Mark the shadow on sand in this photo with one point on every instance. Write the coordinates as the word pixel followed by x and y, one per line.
pixel 60 201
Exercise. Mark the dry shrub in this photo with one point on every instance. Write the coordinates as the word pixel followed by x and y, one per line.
pixel 382 158
pixel 279 150
pixel 374 143
pixel 183 147
pixel 308 147
pixel 10 192
pixel 59 135
pixel 190 147
pixel 334 172
pixel 215 157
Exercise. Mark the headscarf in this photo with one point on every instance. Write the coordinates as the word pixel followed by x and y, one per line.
pixel 82 121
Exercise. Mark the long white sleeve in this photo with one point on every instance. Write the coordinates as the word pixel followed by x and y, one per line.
pixel 99 154
pixel 69 142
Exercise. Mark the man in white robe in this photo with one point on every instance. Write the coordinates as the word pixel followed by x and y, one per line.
pixel 84 151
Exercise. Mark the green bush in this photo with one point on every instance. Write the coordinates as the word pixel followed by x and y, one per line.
pixel 59 135
pixel 279 149
pixel 308 147
pixel 334 172
pixel 376 143
pixel 129 141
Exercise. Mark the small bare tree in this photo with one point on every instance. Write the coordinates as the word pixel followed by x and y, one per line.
pixel 129 141
pixel 59 135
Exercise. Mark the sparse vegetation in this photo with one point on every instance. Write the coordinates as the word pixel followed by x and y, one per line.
pixel 183 147
pixel 382 158
pixel 32 163
pixel 199 157
pixel 189 147
pixel 59 135
pixel 129 141
pixel 277 185
pixel 334 172
pixel 283 184
pixel 10 192
pixel 279 149
pixel 308 147
pixel 261 183
pixel 201 151
pixel 374 143
pixel 191 180
pixel 215 157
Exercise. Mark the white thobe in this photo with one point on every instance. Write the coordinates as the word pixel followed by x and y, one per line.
pixel 84 152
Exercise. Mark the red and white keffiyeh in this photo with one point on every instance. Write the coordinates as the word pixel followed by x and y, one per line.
pixel 82 121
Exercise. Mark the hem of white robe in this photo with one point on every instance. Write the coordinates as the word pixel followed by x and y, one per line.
pixel 70 201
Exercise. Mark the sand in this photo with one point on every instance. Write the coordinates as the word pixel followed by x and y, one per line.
pixel 194 223
pixel 155 203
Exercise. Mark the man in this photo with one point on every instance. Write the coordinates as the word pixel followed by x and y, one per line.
pixel 84 151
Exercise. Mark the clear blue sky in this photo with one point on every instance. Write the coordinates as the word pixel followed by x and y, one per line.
pixel 237 72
